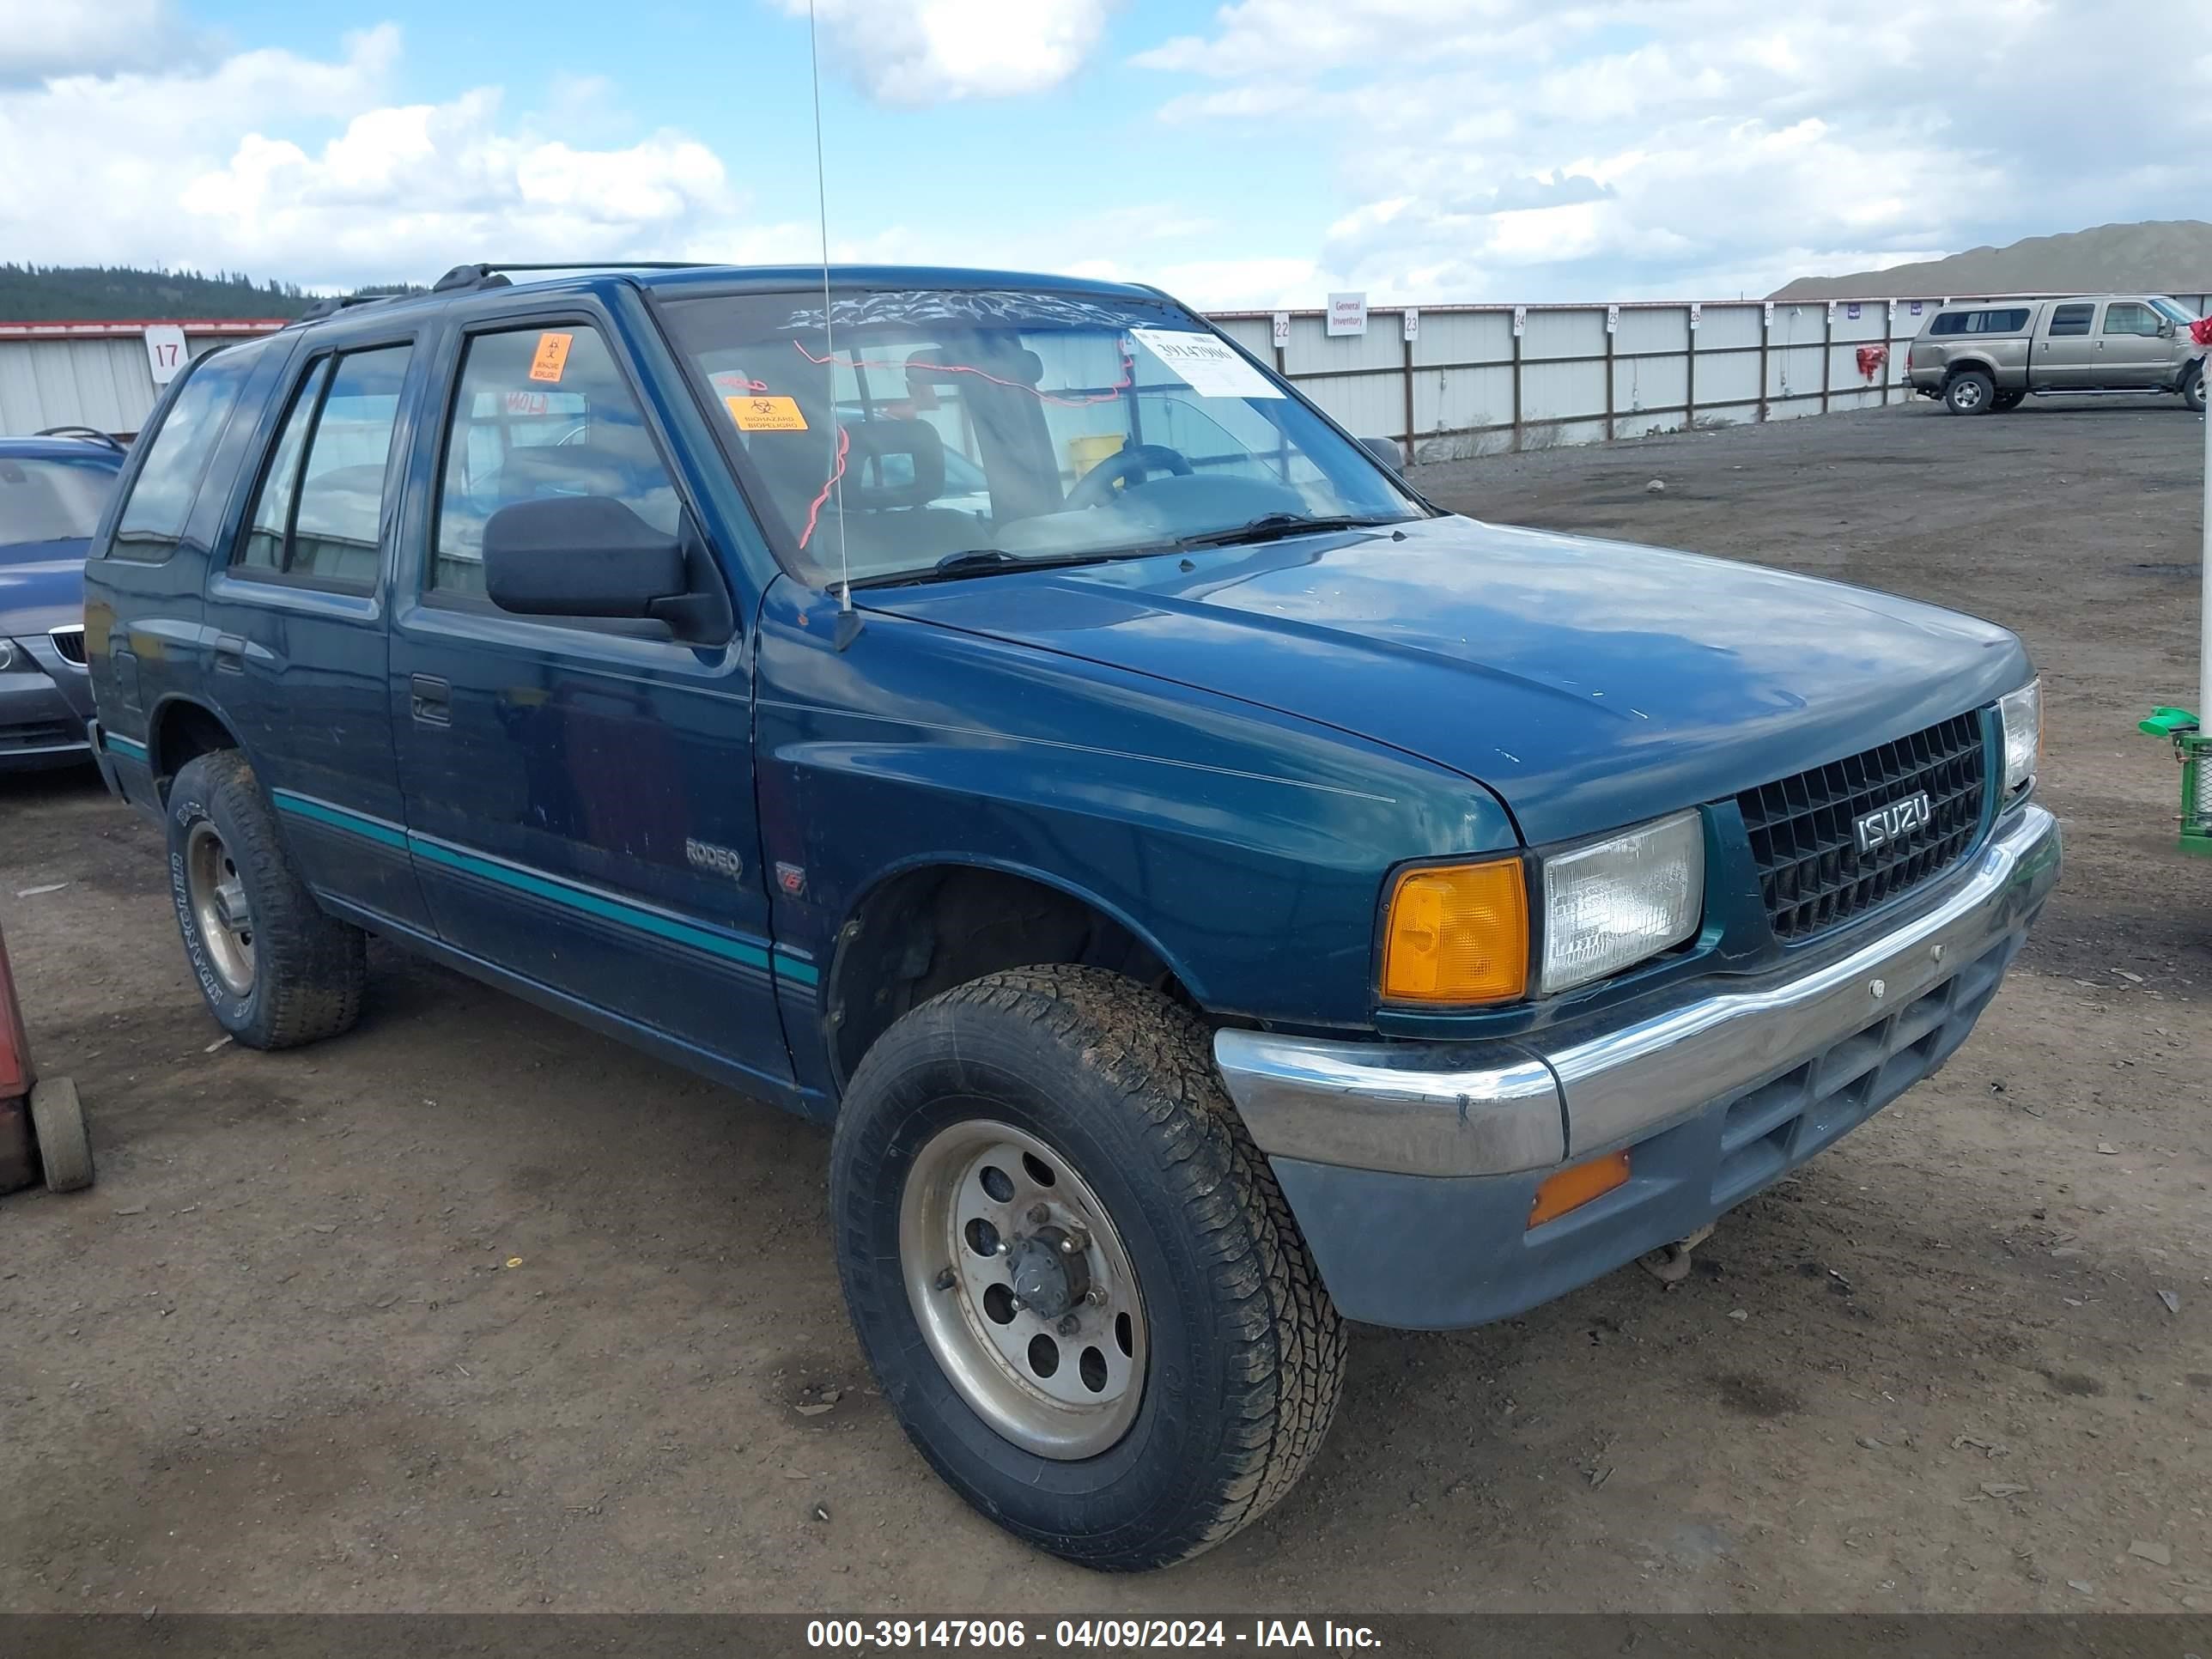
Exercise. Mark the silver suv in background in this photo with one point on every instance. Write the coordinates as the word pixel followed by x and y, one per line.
pixel 1983 355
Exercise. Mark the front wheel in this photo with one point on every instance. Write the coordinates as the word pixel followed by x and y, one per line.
pixel 1970 393
pixel 2193 390
pixel 1074 1274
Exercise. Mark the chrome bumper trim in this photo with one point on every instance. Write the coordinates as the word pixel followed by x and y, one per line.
pixel 1496 1108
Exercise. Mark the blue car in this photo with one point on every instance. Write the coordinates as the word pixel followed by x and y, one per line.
pixel 53 487
pixel 1211 893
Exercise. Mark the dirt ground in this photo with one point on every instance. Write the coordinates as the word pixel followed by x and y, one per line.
pixel 472 1309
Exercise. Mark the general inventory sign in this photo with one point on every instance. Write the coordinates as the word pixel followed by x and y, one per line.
pixel 1347 314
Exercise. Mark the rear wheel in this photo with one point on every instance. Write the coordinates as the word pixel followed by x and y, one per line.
pixel 1074 1274
pixel 1970 393
pixel 276 969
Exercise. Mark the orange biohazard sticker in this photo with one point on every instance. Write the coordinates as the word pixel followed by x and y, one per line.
pixel 754 414
pixel 552 357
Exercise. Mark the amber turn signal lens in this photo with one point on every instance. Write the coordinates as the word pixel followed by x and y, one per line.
pixel 1577 1184
pixel 1458 933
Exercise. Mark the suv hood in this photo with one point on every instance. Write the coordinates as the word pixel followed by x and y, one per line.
pixel 1588 683
pixel 43 590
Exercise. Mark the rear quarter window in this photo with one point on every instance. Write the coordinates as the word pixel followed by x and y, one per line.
pixel 153 515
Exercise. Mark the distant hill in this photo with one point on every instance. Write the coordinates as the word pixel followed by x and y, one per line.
pixel 2168 256
pixel 37 293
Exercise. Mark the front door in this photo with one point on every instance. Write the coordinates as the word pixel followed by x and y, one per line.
pixel 2066 348
pixel 298 619
pixel 579 795
pixel 2134 353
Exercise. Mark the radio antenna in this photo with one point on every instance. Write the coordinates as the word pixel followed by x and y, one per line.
pixel 829 343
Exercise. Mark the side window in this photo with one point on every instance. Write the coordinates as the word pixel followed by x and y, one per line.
pixel 161 499
pixel 2071 319
pixel 272 509
pixel 319 513
pixel 1949 322
pixel 538 412
pixel 2126 316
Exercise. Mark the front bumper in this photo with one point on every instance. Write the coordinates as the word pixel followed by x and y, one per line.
pixel 1411 1167
pixel 45 703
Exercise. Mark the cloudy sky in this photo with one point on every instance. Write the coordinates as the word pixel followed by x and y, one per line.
pixel 1257 153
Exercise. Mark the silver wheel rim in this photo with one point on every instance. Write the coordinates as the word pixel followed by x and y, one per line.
pixel 988 1207
pixel 1969 395
pixel 219 908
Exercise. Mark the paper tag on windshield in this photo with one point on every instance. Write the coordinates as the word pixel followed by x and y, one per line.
pixel 1207 365
pixel 766 414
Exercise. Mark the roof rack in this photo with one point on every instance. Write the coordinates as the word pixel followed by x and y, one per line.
pixel 92 433
pixel 463 279
pixel 490 275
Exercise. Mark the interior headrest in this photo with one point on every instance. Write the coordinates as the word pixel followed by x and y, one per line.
pixel 914 475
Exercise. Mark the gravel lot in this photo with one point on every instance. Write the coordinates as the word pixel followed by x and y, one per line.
pixel 472 1309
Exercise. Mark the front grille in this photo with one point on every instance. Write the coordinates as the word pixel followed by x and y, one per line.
pixel 69 642
pixel 1810 869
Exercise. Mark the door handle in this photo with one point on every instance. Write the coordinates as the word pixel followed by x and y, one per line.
pixel 229 653
pixel 430 700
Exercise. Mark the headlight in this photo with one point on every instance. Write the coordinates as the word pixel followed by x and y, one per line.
pixel 1618 901
pixel 2021 711
pixel 1457 933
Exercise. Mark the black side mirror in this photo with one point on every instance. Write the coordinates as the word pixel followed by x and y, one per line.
pixel 581 556
pixel 1386 451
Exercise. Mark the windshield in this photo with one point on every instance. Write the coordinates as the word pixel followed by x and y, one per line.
pixel 49 500
pixel 2173 308
pixel 1018 427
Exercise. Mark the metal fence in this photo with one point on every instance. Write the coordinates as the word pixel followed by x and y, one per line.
pixel 1451 382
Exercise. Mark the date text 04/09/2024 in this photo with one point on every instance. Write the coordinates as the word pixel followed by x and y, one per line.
pixel 950 1635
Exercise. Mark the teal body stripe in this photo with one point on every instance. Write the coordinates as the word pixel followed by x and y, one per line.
pixel 130 746
pixel 750 953
pixel 375 829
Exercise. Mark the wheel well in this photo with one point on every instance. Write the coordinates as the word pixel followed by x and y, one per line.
pixel 182 732
pixel 927 930
pixel 1971 366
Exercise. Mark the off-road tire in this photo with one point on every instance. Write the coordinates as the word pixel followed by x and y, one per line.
pixel 1969 391
pixel 1246 1350
pixel 309 968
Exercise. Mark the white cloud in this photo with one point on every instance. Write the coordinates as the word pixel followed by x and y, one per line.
pixel 235 164
pixel 911 54
pixel 1515 149
pixel 43 39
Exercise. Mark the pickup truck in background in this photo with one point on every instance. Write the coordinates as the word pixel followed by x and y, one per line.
pixel 1989 355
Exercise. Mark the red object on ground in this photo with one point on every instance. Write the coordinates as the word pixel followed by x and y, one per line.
pixel 16 1075
pixel 1871 358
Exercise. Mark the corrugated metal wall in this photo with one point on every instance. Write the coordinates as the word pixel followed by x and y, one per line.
pixel 103 380
pixel 1467 385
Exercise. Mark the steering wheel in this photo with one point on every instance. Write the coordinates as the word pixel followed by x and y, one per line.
pixel 1133 462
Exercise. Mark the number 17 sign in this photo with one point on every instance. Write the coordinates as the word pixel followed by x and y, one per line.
pixel 165 352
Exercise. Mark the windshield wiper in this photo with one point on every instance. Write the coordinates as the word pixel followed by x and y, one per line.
pixel 1274 526
pixel 986 561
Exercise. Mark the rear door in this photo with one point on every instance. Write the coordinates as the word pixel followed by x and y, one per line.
pixel 2131 351
pixel 579 795
pixel 2066 347
pixel 297 611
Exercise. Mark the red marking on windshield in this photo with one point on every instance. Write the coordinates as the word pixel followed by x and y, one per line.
pixel 814 512
pixel 1128 376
